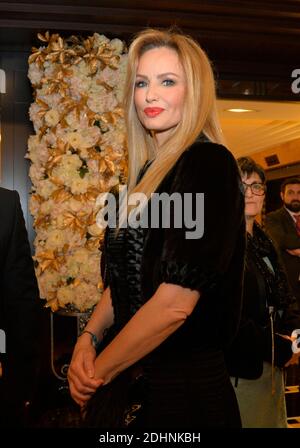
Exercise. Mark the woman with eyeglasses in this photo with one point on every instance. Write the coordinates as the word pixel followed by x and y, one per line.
pixel 263 345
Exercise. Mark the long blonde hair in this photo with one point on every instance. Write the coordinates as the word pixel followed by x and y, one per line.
pixel 199 114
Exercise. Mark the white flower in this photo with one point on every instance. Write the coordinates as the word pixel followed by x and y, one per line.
pixel 75 139
pixel 49 69
pixel 75 206
pixel 117 45
pixel 36 173
pixel 68 169
pixel 95 230
pixel 34 110
pixel 89 136
pixel 79 186
pixel 45 188
pixel 79 85
pixel 35 74
pixel 48 282
pixel 51 117
pixel 122 75
pixel 65 295
pixel 37 150
pixel 46 207
pixel 86 296
pixel 77 123
pixel 113 180
pixel 55 240
pixel 102 103
pixel 90 271
pixel 34 205
pixel 100 39
pixel 74 239
pixel 81 256
pixel 93 166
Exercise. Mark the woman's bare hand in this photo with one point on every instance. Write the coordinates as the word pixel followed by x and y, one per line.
pixel 294 360
pixel 81 373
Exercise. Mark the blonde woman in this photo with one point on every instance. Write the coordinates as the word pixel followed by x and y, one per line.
pixel 173 284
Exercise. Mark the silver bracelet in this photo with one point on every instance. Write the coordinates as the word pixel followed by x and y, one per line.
pixel 95 341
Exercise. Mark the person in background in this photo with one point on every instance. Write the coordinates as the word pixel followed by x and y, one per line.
pixel 172 301
pixel 283 225
pixel 263 345
pixel 19 315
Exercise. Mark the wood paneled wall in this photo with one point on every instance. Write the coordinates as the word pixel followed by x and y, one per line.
pixel 288 154
pixel 254 37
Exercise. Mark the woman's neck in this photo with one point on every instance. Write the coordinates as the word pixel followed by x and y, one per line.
pixel 249 224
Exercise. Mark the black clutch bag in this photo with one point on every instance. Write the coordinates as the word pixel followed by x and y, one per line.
pixel 119 403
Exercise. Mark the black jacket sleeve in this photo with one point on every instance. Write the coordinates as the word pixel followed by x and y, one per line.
pixel 20 309
pixel 199 263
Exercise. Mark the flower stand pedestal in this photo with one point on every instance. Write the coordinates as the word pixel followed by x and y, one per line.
pixel 59 410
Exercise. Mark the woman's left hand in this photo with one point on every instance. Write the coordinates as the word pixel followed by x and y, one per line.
pixel 295 356
pixel 294 360
pixel 295 252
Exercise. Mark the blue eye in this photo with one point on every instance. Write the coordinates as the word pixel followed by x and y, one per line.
pixel 168 82
pixel 140 84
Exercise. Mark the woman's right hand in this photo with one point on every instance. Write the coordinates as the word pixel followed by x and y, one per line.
pixel 81 373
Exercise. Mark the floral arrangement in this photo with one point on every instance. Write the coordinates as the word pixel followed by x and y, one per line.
pixel 78 152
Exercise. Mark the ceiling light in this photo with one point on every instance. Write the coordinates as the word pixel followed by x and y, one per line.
pixel 240 110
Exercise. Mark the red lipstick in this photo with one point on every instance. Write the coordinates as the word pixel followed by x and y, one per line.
pixel 153 111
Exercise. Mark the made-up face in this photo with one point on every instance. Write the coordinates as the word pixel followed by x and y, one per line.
pixel 291 197
pixel 254 194
pixel 159 91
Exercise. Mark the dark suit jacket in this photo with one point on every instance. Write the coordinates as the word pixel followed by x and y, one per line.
pixel 281 227
pixel 19 311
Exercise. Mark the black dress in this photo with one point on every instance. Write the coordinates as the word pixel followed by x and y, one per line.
pixel 258 352
pixel 185 380
pixel 266 292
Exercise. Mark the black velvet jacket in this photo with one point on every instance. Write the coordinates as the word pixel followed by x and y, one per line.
pixel 136 262
pixel 212 264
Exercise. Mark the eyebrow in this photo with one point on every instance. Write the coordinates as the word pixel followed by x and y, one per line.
pixel 162 75
pixel 255 182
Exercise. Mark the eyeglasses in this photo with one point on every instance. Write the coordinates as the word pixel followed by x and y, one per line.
pixel 256 188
